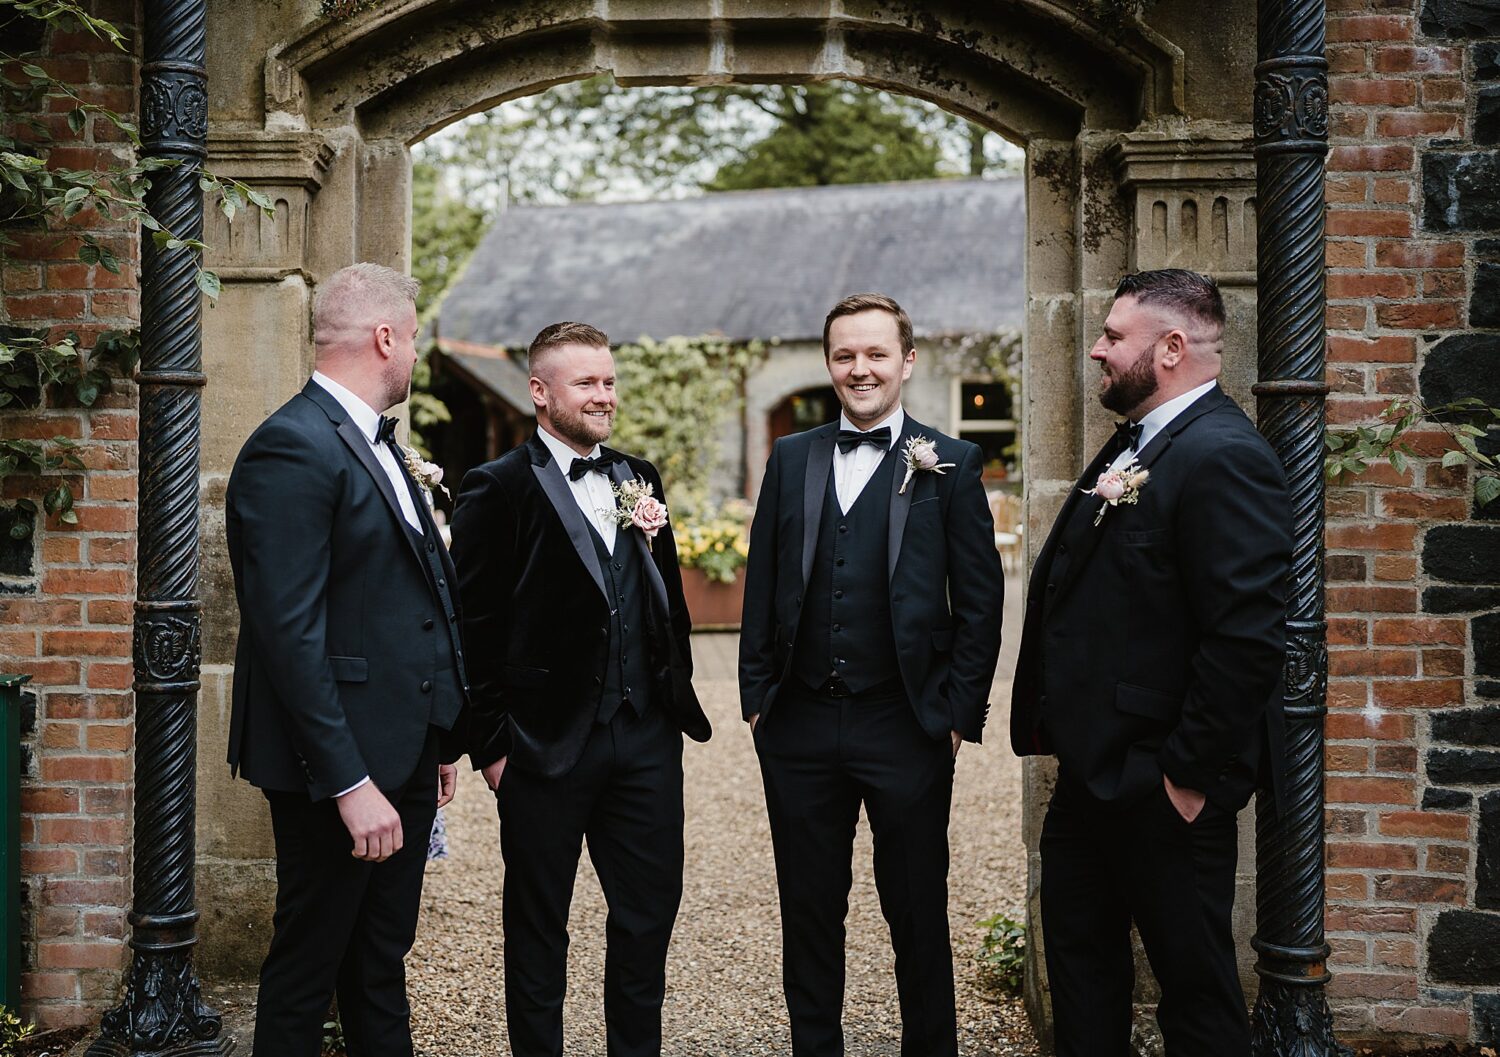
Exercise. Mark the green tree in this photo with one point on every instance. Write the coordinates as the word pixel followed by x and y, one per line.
pixel 445 231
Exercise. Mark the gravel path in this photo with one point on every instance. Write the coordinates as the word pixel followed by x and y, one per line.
pixel 723 977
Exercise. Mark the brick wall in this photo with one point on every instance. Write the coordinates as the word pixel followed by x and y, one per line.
pixel 66 597
pixel 1411 763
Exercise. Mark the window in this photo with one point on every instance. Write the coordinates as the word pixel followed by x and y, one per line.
pixel 986 416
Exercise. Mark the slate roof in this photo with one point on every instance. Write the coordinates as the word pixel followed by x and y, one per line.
pixel 749 264
pixel 492 370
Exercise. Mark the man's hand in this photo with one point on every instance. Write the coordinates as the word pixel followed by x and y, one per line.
pixel 958 739
pixel 493 772
pixel 447 783
pixel 1188 802
pixel 753 720
pixel 372 822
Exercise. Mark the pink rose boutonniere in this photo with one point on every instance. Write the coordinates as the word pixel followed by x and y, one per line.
pixel 921 454
pixel 1119 486
pixel 428 475
pixel 637 506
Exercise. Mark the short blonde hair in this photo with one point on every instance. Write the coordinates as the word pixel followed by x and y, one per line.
pixel 358 294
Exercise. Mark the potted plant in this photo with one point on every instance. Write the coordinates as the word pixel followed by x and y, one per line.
pixel 712 546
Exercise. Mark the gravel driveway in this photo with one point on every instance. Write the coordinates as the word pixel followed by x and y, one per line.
pixel 724 975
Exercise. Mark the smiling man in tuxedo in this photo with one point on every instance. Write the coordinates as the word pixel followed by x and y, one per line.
pixel 1150 664
pixel 348 675
pixel 871 630
pixel 582 692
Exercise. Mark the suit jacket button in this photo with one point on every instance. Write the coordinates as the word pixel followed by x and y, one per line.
pixel 442 583
pixel 431 546
pixel 597 680
pixel 427 624
pixel 426 686
pixel 1062 548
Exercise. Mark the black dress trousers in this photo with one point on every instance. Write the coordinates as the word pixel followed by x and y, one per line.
pixel 820 758
pixel 1104 865
pixel 343 924
pixel 625 796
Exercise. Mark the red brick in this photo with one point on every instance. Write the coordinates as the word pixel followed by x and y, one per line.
pixel 1345 823
pixel 1372 662
pixel 1390 59
pixel 1346 759
pixel 1354 286
pixel 1348 58
pixel 87 582
pixel 48 800
pixel 1429 1022
pixel 42 426
pixel 1368 222
pixel 1370 27
pixel 60 550
pixel 1349 694
pixel 112 487
pixel 106 862
pixel 115 831
pixel 1446 91
pixel 1346 503
pixel 1424 631
pixel 1346 410
pixel 1393 190
pixel 1359 790
pixel 109 610
pixel 1443 662
pixel 1445 858
pixel 1419 254
pixel 38 861
pixel 38 986
pixel 61 735
pixel 1347 125
pixel 1437 476
pixel 1396 759
pixel 111 550
pixel 1345 378
pixel 108 892
pixel 1443 284
pixel 112 738
pixel 1444 824
pixel 1347 886
pixel 1422 506
pixel 114 426
pixel 1344 253
pixel 1418 693
pixel 1372 985
pixel 86 643
pixel 1397 567
pixel 85 769
pixel 89 706
pixel 1382 726
pixel 1412 888
pixel 1372 599
pixel 107 925
pixel 53 673
pixel 54 955
pixel 1378 537
pixel 1351 951
pixel 105 800
pixel 1348 631
pixel 18 643
pixel 1346 189
pixel 1396 953
pixel 1396 381
pixel 40 307
pixel 96 517
pixel 105 676
pixel 1345 317
pixel 1347 856
pixel 1397 126
pixel 1426 315
pixel 1370 919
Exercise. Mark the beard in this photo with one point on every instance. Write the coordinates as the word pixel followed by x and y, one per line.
pixel 396 382
pixel 1132 387
pixel 581 428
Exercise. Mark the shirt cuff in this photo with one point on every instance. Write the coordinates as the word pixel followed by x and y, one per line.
pixel 363 781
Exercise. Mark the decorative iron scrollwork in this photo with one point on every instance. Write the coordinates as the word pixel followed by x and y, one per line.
pixel 1291 106
pixel 175 106
pixel 163 1012
pixel 167 649
pixel 1306 672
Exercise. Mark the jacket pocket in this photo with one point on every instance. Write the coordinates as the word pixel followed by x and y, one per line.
pixel 1144 701
pixel 520 678
pixel 1143 537
pixel 349 669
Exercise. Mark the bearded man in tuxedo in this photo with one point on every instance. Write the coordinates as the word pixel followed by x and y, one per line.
pixel 348 675
pixel 1150 664
pixel 871 630
pixel 582 692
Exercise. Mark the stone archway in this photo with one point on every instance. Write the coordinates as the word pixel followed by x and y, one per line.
pixel 1138 155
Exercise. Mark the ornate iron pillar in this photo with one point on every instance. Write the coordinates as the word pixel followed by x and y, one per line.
pixel 162 1012
pixel 1291 140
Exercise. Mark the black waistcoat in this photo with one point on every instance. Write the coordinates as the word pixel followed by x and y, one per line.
pixel 627 669
pixel 448 694
pixel 846 625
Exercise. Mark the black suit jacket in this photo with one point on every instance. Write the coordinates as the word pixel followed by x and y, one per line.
pixel 947 588
pixel 345 649
pixel 1159 647
pixel 536 617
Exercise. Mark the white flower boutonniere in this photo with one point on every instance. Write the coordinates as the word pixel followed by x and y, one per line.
pixel 1119 486
pixel 428 475
pixel 921 454
pixel 637 506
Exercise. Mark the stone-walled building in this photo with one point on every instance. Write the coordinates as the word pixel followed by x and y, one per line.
pixel 1138 141
pixel 761 266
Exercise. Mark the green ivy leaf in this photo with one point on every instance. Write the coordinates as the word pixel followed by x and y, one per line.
pixel 1454 458
pixel 209 283
pixel 1486 489
pixel 76 120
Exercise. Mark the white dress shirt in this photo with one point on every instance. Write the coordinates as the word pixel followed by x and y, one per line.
pixel 594 492
pixel 852 471
pixel 1158 420
pixel 368 420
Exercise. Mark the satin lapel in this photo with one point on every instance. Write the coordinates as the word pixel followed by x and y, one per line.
pixel 814 490
pixel 620 472
pixel 1068 512
pixel 349 433
pixel 549 475
pixel 900 501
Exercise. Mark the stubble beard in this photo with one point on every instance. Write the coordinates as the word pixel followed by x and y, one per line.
pixel 581 428
pixel 1133 387
pixel 879 412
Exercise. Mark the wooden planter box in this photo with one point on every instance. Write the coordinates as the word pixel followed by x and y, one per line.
pixel 711 604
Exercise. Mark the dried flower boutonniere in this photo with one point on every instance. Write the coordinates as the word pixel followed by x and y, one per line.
pixel 921 454
pixel 1119 486
pixel 428 475
pixel 636 505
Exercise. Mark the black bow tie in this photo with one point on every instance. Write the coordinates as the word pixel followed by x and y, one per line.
pixel 1129 434
pixel 385 433
pixel 600 465
pixel 849 439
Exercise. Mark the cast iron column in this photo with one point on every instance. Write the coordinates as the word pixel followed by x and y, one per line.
pixel 1291 1017
pixel 162 1012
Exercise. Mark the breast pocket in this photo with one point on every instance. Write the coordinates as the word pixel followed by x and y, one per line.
pixel 1145 537
pixel 349 669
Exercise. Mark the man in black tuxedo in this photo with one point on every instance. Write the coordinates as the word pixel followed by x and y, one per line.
pixel 582 692
pixel 348 673
pixel 1151 663
pixel 870 635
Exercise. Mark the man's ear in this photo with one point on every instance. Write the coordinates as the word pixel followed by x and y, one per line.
pixel 385 340
pixel 538 391
pixel 1175 348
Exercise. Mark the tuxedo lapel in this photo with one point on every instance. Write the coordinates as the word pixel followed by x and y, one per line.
pixel 360 445
pixel 631 536
pixel 814 489
pixel 900 498
pixel 550 476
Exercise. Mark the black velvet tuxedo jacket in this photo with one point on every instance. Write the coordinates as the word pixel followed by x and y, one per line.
pixel 1155 642
pixel 536 615
pixel 346 650
pixel 947 589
